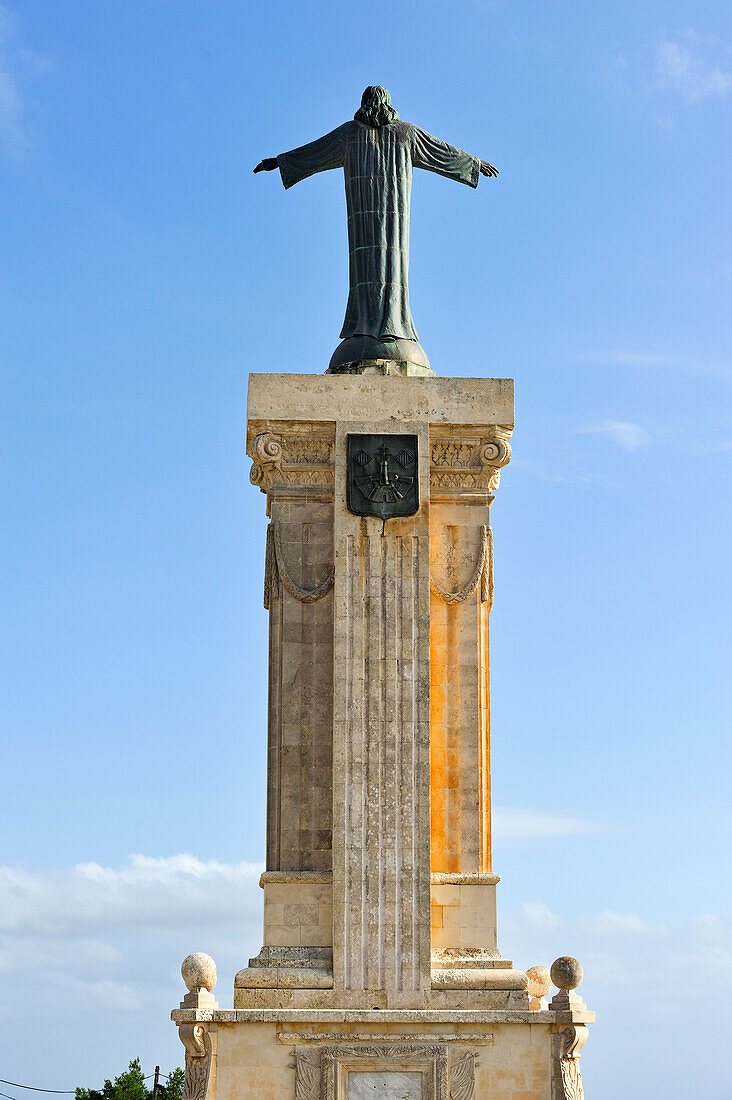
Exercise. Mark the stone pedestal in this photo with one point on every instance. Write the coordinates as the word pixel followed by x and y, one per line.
pixel 380 967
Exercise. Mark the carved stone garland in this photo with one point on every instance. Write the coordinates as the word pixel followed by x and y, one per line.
pixel 275 571
pixel 566 1075
pixel 197 1043
pixel 318 1070
pixel 482 575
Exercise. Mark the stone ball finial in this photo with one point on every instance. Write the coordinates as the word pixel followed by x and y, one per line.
pixel 566 972
pixel 540 982
pixel 199 972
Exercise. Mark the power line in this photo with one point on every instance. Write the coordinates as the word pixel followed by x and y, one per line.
pixel 62 1092
pixel 59 1092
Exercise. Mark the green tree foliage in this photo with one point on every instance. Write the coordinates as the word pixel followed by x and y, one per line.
pixel 174 1085
pixel 131 1085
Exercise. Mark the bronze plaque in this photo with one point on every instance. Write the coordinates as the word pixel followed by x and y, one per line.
pixel 382 475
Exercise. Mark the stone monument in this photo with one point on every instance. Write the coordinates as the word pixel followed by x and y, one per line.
pixel 379 973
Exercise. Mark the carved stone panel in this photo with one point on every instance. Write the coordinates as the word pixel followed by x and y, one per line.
pixel 350 1071
pixel 384 1085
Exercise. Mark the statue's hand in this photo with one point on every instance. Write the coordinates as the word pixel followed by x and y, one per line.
pixel 267 165
pixel 486 169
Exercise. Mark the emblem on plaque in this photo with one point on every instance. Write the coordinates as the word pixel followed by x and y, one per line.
pixel 381 475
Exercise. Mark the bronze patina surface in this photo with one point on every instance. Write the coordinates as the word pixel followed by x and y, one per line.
pixel 377 152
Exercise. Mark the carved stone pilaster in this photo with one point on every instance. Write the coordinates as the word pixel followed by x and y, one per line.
pixel 197 1043
pixel 465 465
pixel 566 1075
pixel 294 460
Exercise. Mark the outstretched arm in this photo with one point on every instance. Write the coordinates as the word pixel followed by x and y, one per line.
pixel 437 156
pixel 327 152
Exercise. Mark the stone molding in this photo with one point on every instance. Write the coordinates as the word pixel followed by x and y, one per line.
pixel 458 878
pixel 465 465
pixel 294 877
pixel 322 1071
pixel 276 573
pixel 292 1038
pixel 469 958
pixel 471 977
pixel 438 1015
pixel 566 1075
pixel 284 977
pixel 197 1043
pixel 295 460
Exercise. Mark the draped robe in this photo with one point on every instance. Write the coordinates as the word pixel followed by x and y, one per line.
pixel 378 163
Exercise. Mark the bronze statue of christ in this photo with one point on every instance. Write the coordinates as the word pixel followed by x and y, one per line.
pixel 377 152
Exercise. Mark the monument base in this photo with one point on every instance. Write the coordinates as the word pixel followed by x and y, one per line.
pixel 312 1054
pixel 390 355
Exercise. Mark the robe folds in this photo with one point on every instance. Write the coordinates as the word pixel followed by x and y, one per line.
pixel 378 163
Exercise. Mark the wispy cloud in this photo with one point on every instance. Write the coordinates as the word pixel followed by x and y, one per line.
pixel 17 65
pixel 638 359
pixel 538 917
pixel 608 924
pixel 645 358
pixel 686 67
pixel 626 434
pixel 516 826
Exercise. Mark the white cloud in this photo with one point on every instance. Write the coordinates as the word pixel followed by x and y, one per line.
pixel 538 917
pixel 105 965
pixel 682 67
pixel 155 894
pixel 516 826
pixel 710 928
pixel 610 924
pixel 103 995
pixel 627 435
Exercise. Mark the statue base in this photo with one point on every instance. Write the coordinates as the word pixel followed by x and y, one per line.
pixel 367 355
pixel 379 974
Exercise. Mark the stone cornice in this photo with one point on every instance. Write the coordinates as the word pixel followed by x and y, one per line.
pixel 383 1016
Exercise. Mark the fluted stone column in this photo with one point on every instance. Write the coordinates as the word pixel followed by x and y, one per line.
pixel 378 886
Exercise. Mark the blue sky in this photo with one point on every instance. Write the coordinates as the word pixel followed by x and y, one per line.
pixel 146 271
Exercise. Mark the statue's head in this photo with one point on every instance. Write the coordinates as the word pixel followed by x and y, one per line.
pixel 376 108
